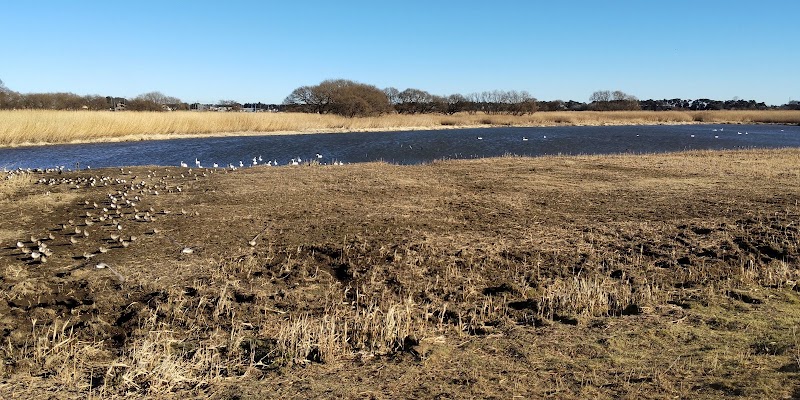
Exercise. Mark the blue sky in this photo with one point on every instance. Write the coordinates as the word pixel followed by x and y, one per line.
pixel 206 51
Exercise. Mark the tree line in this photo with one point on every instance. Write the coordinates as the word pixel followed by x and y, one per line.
pixel 354 99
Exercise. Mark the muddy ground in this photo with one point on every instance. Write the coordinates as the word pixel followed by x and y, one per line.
pixel 637 276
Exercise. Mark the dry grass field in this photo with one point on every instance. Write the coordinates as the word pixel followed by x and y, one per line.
pixel 26 127
pixel 671 275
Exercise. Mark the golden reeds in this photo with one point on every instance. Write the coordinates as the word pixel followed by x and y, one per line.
pixel 21 127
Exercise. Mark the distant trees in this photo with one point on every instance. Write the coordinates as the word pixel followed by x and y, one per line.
pixel 155 101
pixel 416 101
pixel 231 105
pixel 702 105
pixel 339 96
pixel 351 99
pixel 605 100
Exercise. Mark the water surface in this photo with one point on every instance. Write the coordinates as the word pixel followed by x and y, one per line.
pixel 405 147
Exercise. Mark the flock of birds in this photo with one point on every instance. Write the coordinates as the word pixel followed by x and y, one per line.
pixel 525 138
pixel 98 227
pixel 259 160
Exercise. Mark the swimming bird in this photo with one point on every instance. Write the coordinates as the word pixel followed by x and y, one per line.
pixel 524 139
pixel 480 137
pixel 716 136
pixel 545 137
pixel 691 135
pixel 319 155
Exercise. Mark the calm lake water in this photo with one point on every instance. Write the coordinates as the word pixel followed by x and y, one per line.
pixel 406 147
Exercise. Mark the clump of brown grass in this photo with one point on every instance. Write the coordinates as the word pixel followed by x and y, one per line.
pixel 596 297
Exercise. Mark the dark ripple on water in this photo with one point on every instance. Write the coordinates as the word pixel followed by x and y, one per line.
pixel 405 147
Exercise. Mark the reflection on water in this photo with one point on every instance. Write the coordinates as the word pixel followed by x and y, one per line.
pixel 407 147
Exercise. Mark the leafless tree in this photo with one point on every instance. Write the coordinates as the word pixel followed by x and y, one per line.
pixel 392 94
pixel 600 95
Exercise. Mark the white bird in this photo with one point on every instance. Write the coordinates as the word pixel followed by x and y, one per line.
pixel 260 159
pixel 480 137
pixel 545 137
pixel 319 155
pixel 216 165
pixel 197 162
pixel 241 164
pixel 716 136
pixel 184 165
pixel 691 135
pixel 255 162
pixel 524 139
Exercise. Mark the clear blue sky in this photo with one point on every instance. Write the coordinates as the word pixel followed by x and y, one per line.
pixel 261 50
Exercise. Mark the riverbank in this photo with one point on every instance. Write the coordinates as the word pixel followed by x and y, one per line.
pixel 38 127
pixel 649 276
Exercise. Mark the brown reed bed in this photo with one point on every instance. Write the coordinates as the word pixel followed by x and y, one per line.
pixel 25 127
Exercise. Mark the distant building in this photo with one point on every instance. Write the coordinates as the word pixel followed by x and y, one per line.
pixel 116 103
pixel 199 107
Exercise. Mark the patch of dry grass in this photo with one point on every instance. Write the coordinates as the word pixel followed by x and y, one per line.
pixel 20 127
pixel 605 276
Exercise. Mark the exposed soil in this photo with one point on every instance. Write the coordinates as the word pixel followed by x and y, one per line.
pixel 568 277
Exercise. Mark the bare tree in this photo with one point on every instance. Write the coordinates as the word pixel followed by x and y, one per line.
pixel 392 94
pixel 604 100
pixel 600 95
